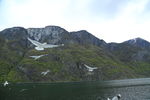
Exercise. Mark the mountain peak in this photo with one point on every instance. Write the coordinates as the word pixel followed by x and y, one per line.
pixel 14 33
pixel 52 27
pixel 138 42
pixel 84 37
pixel 134 40
pixel 83 31
pixel 48 32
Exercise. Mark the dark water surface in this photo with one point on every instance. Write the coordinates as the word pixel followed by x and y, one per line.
pixel 133 89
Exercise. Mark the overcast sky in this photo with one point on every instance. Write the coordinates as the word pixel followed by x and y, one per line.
pixel 111 20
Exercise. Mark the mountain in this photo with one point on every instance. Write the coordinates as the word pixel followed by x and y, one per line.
pixel 134 53
pixel 132 50
pixel 139 42
pixel 84 37
pixel 55 35
pixel 129 59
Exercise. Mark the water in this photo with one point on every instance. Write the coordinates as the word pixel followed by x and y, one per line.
pixel 135 89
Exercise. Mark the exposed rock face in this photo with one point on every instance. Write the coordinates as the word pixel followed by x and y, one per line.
pixel 55 35
pixel 49 34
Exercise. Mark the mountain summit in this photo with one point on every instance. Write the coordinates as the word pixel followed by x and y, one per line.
pixel 129 59
pixel 139 42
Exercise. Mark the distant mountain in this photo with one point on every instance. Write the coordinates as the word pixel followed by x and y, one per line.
pixel 138 42
pixel 132 50
pixel 129 59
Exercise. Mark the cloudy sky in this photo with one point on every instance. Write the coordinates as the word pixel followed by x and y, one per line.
pixel 111 20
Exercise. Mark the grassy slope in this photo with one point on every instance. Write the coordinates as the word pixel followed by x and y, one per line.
pixel 64 63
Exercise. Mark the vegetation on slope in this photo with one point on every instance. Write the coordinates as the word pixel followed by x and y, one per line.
pixel 66 63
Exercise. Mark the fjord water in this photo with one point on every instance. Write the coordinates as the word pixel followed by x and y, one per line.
pixel 131 89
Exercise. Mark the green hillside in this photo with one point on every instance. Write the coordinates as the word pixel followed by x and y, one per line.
pixel 67 63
